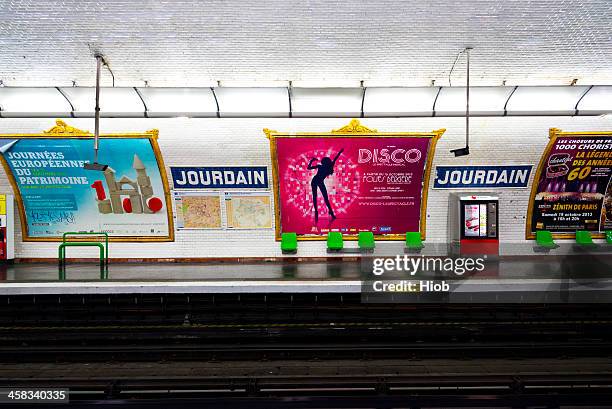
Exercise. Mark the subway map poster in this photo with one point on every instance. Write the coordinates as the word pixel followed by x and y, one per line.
pixel 248 210
pixel 352 183
pixel 197 210
pixel 573 187
pixel 129 200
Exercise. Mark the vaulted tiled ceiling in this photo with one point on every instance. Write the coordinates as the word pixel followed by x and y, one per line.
pixel 191 43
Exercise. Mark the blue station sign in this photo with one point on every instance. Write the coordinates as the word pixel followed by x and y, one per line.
pixel 254 177
pixel 459 177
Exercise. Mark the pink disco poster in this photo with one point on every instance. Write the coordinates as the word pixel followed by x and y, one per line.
pixel 351 184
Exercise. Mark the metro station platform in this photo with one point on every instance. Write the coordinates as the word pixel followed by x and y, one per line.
pixel 515 279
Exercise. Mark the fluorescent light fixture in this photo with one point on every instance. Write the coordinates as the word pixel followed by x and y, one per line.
pixel 484 101
pixel 597 101
pixel 326 102
pixel 326 83
pixel 393 102
pixel 179 102
pixel 252 102
pixel 252 84
pixel 554 100
pixel 114 102
pixel 20 102
pixel 44 102
pixel 403 82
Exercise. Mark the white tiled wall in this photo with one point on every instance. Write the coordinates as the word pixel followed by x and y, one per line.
pixel 241 142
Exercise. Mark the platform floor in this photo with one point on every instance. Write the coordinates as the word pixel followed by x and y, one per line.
pixel 528 275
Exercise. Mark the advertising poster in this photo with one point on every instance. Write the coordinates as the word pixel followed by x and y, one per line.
pixel 352 183
pixel 56 195
pixel 248 210
pixel 199 210
pixel 472 220
pixel 573 190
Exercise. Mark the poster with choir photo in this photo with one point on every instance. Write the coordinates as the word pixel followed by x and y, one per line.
pixel 573 189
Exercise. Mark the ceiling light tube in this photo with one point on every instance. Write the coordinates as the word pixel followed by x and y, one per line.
pixel 252 102
pixel 25 102
pixel 179 102
pixel 115 102
pixel 549 100
pixel 326 102
pixel 598 101
pixel 484 101
pixel 399 102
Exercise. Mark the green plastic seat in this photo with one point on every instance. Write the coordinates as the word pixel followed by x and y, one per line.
pixel 288 242
pixel 334 241
pixel 544 239
pixel 366 240
pixel 583 238
pixel 609 236
pixel 413 240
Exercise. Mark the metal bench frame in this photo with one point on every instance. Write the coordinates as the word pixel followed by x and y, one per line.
pixel 66 242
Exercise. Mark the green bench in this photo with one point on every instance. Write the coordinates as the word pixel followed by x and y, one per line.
pixel 545 240
pixel 334 241
pixel 413 241
pixel 289 243
pixel 584 238
pixel 366 242
pixel 68 240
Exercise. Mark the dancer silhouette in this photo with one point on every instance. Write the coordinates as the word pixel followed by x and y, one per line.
pixel 324 169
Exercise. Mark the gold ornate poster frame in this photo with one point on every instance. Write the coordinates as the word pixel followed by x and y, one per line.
pixel 63 131
pixel 355 130
pixel 553 135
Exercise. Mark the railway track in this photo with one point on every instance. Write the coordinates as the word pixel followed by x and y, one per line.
pixel 236 352
pixel 335 391
pixel 275 352
pixel 375 339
